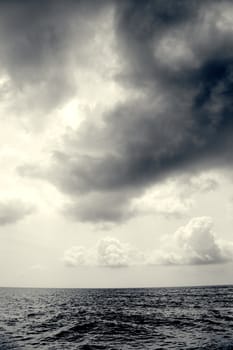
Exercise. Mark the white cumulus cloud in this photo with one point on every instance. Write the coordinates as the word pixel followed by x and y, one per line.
pixel 111 252
pixel 193 244
pixel 108 252
pixel 75 256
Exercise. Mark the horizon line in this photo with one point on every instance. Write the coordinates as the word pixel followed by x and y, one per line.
pixel 157 287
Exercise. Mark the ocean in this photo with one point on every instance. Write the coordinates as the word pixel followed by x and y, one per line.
pixel 160 318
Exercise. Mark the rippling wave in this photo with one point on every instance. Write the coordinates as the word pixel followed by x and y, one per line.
pixel 163 318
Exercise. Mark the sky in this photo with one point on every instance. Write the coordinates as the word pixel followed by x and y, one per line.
pixel 116 135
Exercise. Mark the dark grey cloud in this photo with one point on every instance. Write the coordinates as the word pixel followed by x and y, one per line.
pixel 98 207
pixel 177 57
pixel 41 44
pixel 14 210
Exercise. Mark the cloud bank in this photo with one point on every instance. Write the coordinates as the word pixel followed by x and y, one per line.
pixel 192 244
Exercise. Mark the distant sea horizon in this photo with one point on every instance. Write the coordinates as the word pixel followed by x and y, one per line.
pixel 150 287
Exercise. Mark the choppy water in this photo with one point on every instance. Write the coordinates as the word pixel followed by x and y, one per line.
pixel 166 318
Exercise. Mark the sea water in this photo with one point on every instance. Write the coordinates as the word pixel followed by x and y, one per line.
pixel 161 318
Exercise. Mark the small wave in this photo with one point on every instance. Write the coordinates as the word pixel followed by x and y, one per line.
pixel 74 332
pixel 93 347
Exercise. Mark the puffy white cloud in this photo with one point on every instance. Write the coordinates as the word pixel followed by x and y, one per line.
pixel 192 244
pixel 108 252
pixel 111 252
pixel 14 210
pixel 75 256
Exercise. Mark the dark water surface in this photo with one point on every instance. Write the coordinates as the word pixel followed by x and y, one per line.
pixel 165 318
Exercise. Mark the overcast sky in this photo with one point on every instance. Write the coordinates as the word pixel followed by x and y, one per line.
pixel 116 125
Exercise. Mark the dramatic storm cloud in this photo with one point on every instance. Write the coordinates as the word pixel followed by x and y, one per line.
pixel 116 122
pixel 175 67
pixel 41 46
